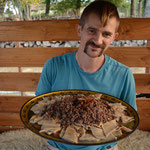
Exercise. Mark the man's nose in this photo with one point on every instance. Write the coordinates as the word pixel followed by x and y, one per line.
pixel 98 39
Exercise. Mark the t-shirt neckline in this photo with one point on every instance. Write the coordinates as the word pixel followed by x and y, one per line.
pixel 100 70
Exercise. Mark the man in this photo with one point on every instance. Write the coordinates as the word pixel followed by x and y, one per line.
pixel 89 68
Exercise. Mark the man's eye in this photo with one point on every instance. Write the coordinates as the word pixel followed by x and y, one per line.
pixel 91 31
pixel 107 34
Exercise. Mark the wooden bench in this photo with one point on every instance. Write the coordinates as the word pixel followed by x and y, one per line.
pixel 63 30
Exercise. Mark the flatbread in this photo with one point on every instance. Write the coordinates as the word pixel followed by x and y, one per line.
pixel 35 119
pixel 70 135
pixel 126 119
pixel 39 107
pixel 98 132
pixel 117 132
pixel 52 122
pixel 126 129
pixel 50 126
pixel 119 109
pixel 80 132
pixel 62 132
pixel 110 137
pixel 108 127
pixel 88 138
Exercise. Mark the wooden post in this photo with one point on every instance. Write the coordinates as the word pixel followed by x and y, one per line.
pixel 147 70
pixel 19 68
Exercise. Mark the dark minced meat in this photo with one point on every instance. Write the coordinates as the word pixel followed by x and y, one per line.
pixel 80 109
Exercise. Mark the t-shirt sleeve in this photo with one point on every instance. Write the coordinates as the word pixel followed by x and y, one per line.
pixel 46 78
pixel 129 92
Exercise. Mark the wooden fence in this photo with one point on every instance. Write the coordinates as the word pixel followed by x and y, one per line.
pixel 63 30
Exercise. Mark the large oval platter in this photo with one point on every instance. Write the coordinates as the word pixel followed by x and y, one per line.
pixel 26 114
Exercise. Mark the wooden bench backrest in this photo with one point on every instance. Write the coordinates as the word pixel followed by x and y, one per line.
pixel 63 30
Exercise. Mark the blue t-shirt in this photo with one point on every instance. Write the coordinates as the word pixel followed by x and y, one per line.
pixel 63 73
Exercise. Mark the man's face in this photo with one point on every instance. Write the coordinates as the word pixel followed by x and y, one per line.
pixel 95 38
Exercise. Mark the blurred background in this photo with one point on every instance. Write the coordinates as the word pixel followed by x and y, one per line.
pixel 16 10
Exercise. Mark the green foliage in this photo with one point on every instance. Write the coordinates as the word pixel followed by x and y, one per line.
pixel 71 8
pixel 64 6
pixel 120 3
pixel 29 2
pixel 8 12
pixel 2 2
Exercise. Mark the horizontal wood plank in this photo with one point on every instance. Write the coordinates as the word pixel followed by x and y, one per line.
pixel 28 82
pixel 143 105
pixel 12 103
pixel 51 30
pixel 4 128
pixel 144 123
pixel 131 56
pixel 29 57
pixel 36 57
pixel 134 29
pixel 19 81
pixel 11 118
pixel 142 82
pixel 55 30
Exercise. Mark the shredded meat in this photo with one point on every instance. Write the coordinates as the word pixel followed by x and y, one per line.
pixel 80 109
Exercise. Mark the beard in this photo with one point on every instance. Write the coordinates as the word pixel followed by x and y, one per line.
pixel 100 50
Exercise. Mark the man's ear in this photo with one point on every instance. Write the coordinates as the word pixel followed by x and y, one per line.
pixel 79 28
pixel 116 36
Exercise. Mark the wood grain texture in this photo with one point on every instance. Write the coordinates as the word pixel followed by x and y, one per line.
pixel 134 29
pixel 143 105
pixel 4 128
pixel 36 57
pixel 29 57
pixel 144 123
pixel 50 30
pixel 12 103
pixel 142 82
pixel 19 81
pixel 28 82
pixel 131 56
pixel 65 30
pixel 11 119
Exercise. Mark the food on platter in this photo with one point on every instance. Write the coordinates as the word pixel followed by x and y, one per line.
pixel 81 118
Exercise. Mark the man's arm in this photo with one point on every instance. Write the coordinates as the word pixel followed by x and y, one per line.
pixel 45 82
pixel 129 92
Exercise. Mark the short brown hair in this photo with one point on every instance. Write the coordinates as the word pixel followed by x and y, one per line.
pixel 103 9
